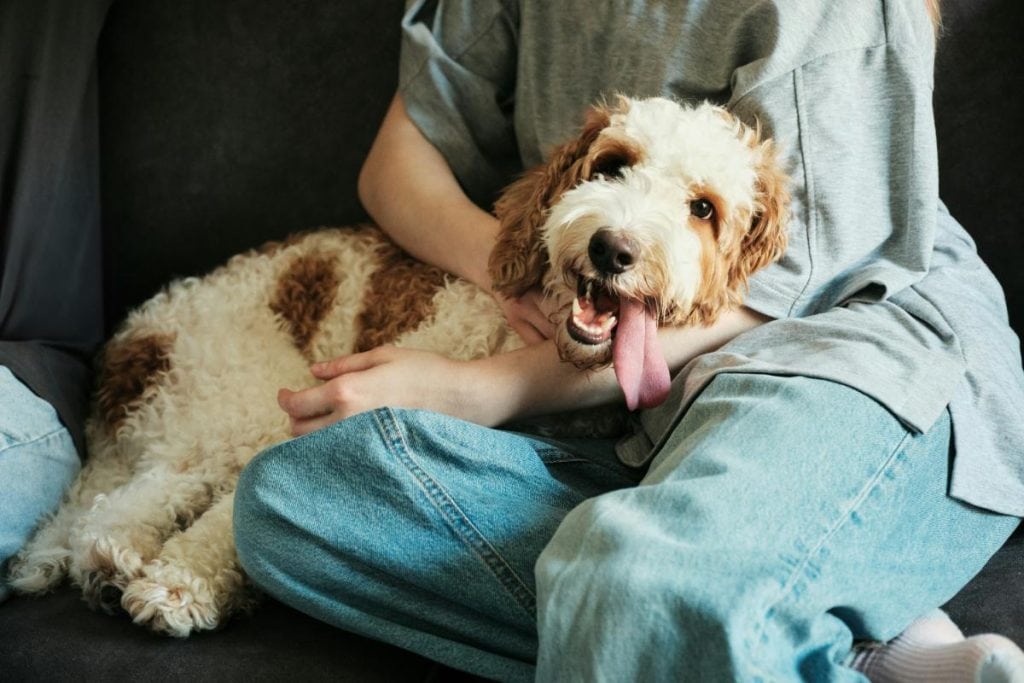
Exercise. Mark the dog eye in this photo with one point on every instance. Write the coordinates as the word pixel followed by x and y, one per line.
pixel 702 209
pixel 609 167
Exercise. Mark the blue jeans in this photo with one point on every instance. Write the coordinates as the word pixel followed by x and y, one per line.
pixel 37 462
pixel 784 518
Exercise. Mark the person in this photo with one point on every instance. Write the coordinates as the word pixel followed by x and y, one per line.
pixel 51 312
pixel 824 452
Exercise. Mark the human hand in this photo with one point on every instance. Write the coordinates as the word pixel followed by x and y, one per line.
pixel 387 375
pixel 530 315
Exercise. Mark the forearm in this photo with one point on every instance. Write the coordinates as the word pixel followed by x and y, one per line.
pixel 534 381
pixel 408 188
pixel 682 344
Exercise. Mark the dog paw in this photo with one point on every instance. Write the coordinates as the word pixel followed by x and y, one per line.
pixel 170 600
pixel 38 572
pixel 102 568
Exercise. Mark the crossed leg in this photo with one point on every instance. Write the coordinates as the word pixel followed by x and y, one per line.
pixel 784 518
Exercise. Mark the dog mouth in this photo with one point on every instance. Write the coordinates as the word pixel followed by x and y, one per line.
pixel 629 327
pixel 595 312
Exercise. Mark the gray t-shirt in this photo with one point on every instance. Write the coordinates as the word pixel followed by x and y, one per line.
pixel 880 288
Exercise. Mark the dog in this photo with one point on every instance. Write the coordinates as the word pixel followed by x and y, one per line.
pixel 655 214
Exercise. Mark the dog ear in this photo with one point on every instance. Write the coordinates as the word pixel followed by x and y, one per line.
pixel 519 260
pixel 765 240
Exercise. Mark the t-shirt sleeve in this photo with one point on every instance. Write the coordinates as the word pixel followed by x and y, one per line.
pixel 856 134
pixel 457 79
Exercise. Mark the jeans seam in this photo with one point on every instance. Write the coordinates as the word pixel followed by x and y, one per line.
pixel 457 520
pixel 800 571
pixel 37 439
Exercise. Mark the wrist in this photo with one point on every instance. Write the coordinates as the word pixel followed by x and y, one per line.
pixel 533 381
pixel 683 344
pixel 486 392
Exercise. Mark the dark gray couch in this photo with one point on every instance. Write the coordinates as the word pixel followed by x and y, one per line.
pixel 229 123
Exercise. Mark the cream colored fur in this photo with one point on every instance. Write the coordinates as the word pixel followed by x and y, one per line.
pixel 150 516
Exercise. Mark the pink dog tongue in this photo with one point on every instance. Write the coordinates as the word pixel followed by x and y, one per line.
pixel 639 365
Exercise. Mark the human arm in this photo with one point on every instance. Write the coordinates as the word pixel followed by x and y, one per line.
pixel 490 391
pixel 409 189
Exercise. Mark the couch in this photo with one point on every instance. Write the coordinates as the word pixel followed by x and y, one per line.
pixel 226 124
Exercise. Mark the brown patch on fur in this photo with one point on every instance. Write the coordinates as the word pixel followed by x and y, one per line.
pixel 609 154
pixel 127 368
pixel 766 239
pixel 304 296
pixel 731 254
pixel 713 295
pixel 399 297
pixel 518 260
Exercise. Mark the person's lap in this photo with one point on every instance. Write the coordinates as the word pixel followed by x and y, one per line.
pixel 37 462
pixel 784 516
pixel 428 527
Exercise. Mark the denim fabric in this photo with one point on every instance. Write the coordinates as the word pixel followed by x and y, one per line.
pixel 37 462
pixel 416 529
pixel 785 517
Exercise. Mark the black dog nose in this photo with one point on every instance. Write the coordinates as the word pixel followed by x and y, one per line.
pixel 612 253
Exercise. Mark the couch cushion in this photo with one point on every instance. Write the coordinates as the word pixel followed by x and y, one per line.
pixel 994 600
pixel 226 124
pixel 979 104
pixel 57 638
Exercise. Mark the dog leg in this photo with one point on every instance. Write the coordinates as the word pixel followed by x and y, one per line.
pixel 45 560
pixel 125 529
pixel 196 583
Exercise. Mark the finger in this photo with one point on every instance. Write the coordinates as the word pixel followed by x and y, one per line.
pixel 305 426
pixel 531 307
pixel 308 403
pixel 527 332
pixel 543 325
pixel 350 363
pixel 540 322
pixel 546 316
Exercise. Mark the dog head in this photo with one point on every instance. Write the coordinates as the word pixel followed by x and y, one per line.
pixel 656 213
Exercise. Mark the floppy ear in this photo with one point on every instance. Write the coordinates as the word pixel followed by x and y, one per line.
pixel 519 260
pixel 765 241
pixel 727 269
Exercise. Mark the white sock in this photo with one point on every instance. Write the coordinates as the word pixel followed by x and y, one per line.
pixel 933 650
